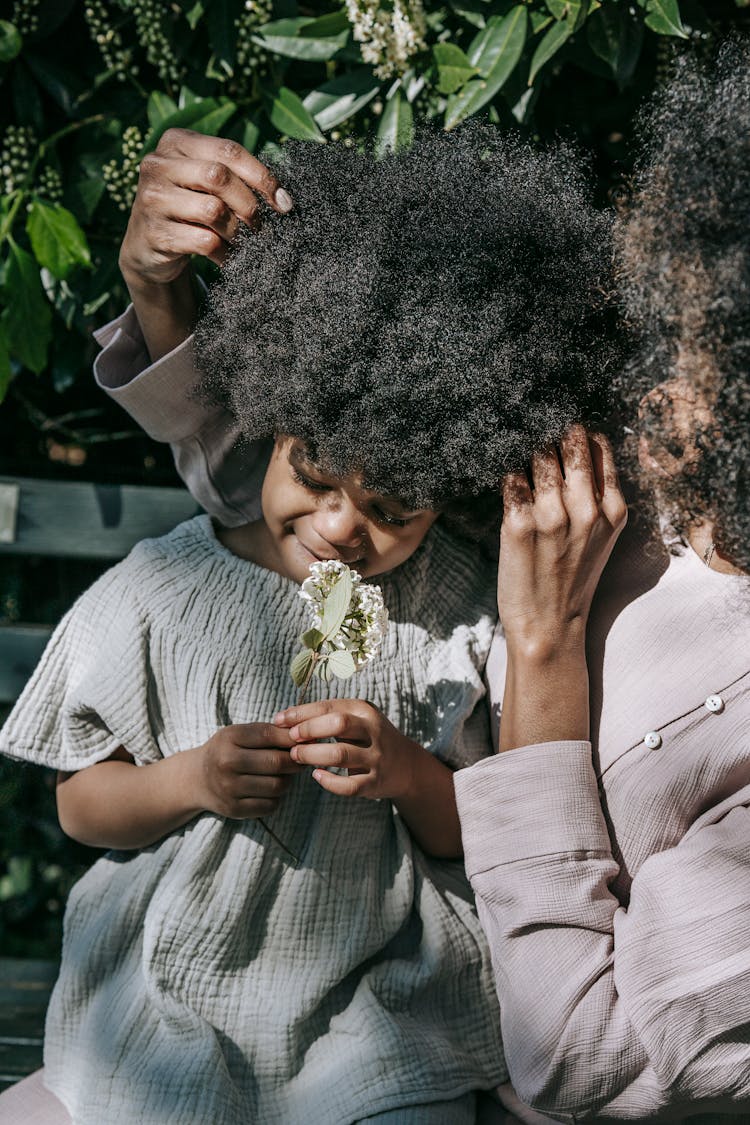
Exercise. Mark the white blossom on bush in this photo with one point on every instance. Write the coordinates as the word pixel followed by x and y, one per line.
pixel 389 37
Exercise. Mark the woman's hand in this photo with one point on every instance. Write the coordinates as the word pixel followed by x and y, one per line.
pixel 245 770
pixel 559 528
pixel 380 760
pixel 558 531
pixel 193 194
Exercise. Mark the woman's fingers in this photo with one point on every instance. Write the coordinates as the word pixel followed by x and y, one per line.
pixel 613 502
pixel 226 162
pixel 546 475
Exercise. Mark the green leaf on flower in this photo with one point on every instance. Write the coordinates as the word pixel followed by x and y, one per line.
pixel 58 242
pixel 550 44
pixel 453 67
pixel 663 17
pixel 396 127
pixel 313 638
pixel 336 606
pixel 495 53
pixel 301 666
pixel 341 663
pixel 29 317
pixel 290 117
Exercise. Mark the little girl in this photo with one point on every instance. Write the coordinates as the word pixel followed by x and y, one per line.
pixel 206 975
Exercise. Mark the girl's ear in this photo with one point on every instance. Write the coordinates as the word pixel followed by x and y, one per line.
pixel 671 416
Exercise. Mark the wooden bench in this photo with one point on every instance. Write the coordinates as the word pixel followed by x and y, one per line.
pixel 63 520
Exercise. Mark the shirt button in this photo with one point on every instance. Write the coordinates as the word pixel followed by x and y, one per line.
pixel 714 703
pixel 652 740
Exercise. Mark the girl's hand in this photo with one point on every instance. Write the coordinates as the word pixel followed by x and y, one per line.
pixel 380 760
pixel 193 193
pixel 245 769
pixel 558 531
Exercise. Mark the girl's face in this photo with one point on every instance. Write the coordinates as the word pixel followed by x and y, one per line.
pixel 310 515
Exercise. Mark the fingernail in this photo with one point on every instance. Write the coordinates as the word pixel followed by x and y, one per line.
pixel 317 774
pixel 278 719
pixel 294 754
pixel 283 200
pixel 294 734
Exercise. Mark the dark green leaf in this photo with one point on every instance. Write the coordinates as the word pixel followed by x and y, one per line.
pixel 341 663
pixel 62 85
pixel 472 11
pixel 29 318
pixel 222 34
pixel 10 41
pixel 293 40
pixel 396 127
pixel 84 195
pixel 194 15
pixel 6 371
pixel 500 47
pixel 616 36
pixel 250 136
pixel 27 101
pixel 453 67
pixel 300 667
pixel 663 17
pixel 550 44
pixel 333 23
pixel 342 97
pixel 208 115
pixel 336 605
pixel 58 242
pixel 313 638
pixel 160 107
pixel 290 117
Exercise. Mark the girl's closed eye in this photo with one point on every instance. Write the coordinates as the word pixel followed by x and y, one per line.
pixel 307 482
pixel 388 518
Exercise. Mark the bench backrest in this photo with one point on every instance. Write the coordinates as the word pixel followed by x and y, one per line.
pixel 73 520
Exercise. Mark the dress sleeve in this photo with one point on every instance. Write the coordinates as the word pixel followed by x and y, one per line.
pixel 609 1013
pixel 90 692
pixel 222 472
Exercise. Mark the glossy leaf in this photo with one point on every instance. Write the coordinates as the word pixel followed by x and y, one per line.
pixel 472 11
pixel 453 67
pixel 209 115
pixel 616 37
pixel 396 127
pixel 495 52
pixel 297 38
pixel 6 370
pixel 289 116
pixel 160 106
pixel 663 17
pixel 10 41
pixel 551 42
pixel 342 97
pixel 29 317
pixel 58 242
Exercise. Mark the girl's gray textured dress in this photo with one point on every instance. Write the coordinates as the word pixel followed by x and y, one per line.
pixel 207 979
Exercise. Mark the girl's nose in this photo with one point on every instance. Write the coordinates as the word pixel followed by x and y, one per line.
pixel 340 523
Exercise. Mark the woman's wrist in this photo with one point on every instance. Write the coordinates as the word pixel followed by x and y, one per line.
pixel 166 311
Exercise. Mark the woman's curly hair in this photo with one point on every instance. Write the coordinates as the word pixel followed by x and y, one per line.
pixel 684 259
pixel 426 319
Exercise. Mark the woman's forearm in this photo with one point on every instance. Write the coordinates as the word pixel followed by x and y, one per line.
pixel 546 697
pixel 116 804
pixel 166 312
pixel 429 808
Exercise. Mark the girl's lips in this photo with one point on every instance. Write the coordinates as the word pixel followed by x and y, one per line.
pixel 328 558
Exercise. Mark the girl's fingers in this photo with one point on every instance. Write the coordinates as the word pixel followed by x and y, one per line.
pixel 341 755
pixel 341 786
pixel 232 158
pixel 292 716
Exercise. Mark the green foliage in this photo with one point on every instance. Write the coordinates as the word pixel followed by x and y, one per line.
pixel 89 89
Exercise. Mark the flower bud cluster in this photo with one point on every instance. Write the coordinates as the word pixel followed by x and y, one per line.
pixel 149 25
pixel 251 58
pixel 366 619
pixel 121 177
pixel 388 38
pixel 25 17
pixel 108 40
pixel 49 185
pixel 18 143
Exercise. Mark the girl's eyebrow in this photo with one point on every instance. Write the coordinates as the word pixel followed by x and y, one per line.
pixel 300 453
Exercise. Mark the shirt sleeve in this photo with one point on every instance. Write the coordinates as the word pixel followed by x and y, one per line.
pixel 223 472
pixel 609 1013
pixel 89 694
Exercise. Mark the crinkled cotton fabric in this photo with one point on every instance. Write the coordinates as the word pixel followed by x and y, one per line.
pixel 209 978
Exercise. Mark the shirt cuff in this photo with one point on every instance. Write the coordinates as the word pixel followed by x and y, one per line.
pixel 157 395
pixel 529 802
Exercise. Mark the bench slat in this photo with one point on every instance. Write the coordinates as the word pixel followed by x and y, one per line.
pixel 21 647
pixel 77 519
pixel 25 988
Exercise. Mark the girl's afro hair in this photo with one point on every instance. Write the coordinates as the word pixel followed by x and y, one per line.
pixel 426 319
pixel 684 257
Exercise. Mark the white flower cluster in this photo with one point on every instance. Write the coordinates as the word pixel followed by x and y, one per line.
pixel 251 58
pixel 388 38
pixel 121 177
pixel 366 620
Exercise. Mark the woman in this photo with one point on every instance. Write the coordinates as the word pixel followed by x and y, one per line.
pixel 608 843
